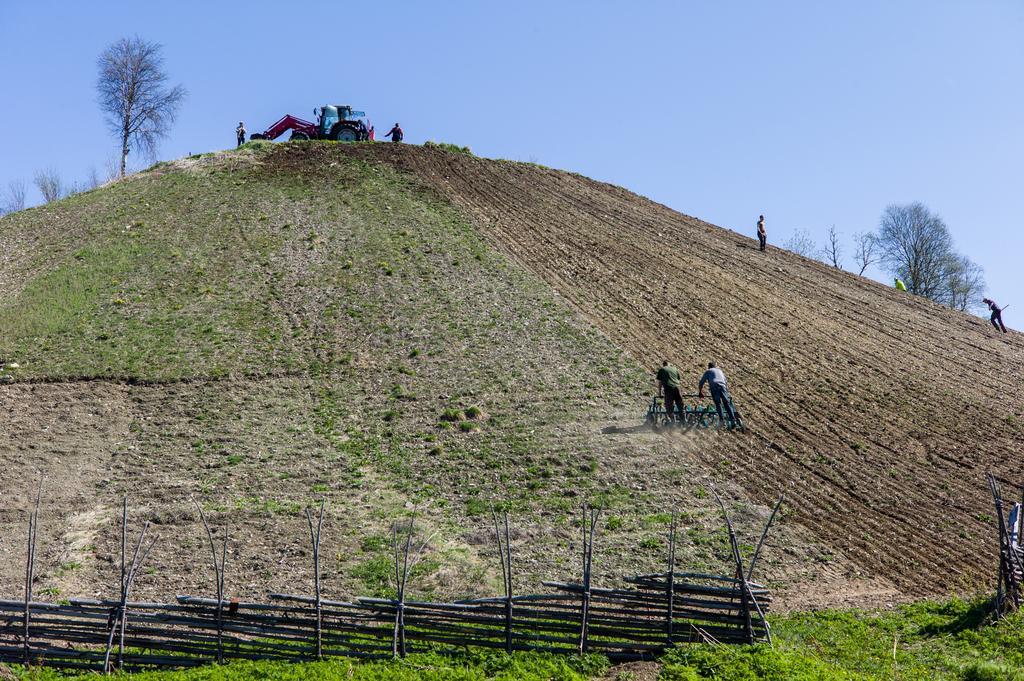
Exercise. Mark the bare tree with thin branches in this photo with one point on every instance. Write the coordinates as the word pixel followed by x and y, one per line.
pixel 14 197
pixel 133 94
pixel 49 184
pixel 801 243
pixel 832 252
pixel 93 181
pixel 965 283
pixel 865 250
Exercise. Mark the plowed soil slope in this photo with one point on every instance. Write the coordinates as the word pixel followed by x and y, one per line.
pixel 404 330
pixel 877 411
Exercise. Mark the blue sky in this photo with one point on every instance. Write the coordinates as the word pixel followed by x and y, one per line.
pixel 813 113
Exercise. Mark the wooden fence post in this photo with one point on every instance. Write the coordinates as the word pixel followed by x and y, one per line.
pixel 218 574
pixel 30 568
pixel 119 615
pixel 588 556
pixel 670 591
pixel 505 556
pixel 315 539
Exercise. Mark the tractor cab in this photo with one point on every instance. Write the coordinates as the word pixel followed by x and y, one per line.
pixel 331 114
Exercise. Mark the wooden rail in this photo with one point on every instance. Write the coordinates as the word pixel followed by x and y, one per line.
pixel 637 620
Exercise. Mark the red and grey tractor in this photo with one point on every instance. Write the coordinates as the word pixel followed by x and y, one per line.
pixel 334 122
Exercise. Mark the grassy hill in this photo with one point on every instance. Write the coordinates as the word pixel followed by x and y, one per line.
pixel 407 330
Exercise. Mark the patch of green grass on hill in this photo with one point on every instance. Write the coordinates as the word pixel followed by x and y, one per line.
pixel 167 282
pixel 926 640
pixel 447 146
pixel 416 667
pixel 389 314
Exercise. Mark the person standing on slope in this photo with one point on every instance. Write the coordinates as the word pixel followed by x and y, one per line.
pixel 900 286
pixel 997 314
pixel 240 133
pixel 668 376
pixel 396 133
pixel 762 236
pixel 715 378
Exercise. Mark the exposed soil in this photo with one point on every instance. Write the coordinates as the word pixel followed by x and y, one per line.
pixel 877 412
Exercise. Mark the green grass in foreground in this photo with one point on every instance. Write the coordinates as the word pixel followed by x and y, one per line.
pixel 421 667
pixel 927 640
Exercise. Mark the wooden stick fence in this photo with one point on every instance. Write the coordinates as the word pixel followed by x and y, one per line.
pixel 1010 582
pixel 638 620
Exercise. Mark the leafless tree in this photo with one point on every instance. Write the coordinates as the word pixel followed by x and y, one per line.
pixel 49 184
pixel 801 243
pixel 965 283
pixel 93 181
pixel 832 252
pixel 865 250
pixel 915 245
pixel 110 169
pixel 133 94
pixel 14 197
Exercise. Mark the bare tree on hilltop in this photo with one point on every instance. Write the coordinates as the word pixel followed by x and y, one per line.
pixel 832 253
pixel 965 283
pixel 50 185
pixel 14 197
pixel 915 245
pixel 133 94
pixel 801 243
pixel 865 250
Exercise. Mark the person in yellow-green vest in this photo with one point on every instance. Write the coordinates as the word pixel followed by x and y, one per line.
pixel 900 286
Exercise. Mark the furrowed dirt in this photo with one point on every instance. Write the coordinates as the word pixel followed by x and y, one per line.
pixel 877 412
pixel 311 318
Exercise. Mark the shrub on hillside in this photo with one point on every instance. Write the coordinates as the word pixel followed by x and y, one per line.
pixel 454 148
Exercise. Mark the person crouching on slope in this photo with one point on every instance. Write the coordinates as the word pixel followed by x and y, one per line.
pixel 668 376
pixel 715 378
pixel 997 314
pixel 899 285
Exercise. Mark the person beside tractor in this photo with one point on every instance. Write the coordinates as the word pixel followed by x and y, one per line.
pixel 668 376
pixel 997 314
pixel 899 285
pixel 715 378
pixel 240 133
pixel 396 133
pixel 762 236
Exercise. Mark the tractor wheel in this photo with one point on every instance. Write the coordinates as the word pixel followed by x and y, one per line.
pixel 257 136
pixel 298 137
pixel 345 134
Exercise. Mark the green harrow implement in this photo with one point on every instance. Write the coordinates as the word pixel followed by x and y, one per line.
pixel 692 415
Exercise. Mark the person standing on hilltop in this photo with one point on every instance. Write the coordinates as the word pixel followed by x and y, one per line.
pixel 668 376
pixel 396 133
pixel 997 314
pixel 240 133
pixel 762 236
pixel 715 378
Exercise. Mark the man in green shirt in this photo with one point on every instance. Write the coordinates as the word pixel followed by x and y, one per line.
pixel 668 377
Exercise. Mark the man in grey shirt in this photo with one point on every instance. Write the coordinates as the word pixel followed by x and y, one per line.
pixel 715 378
